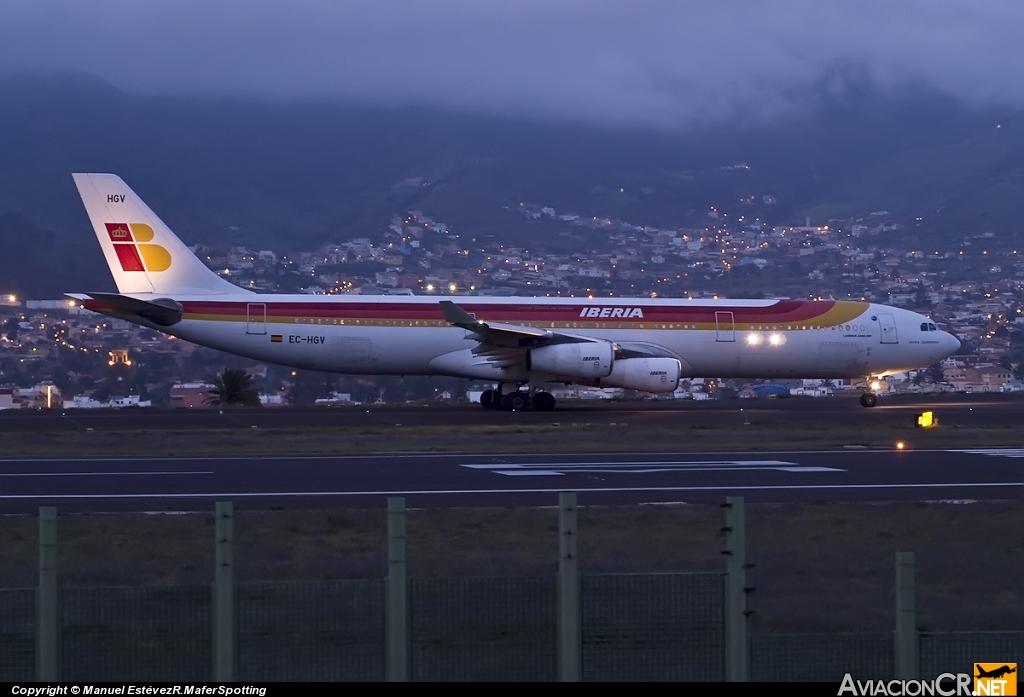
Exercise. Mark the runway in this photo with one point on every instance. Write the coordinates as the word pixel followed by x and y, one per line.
pixel 447 480
pixel 991 409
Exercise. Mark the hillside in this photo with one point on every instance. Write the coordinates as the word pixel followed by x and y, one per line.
pixel 287 176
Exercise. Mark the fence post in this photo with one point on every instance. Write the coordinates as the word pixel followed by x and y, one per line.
pixel 570 664
pixel 906 639
pixel 224 594
pixel 396 602
pixel 47 619
pixel 737 659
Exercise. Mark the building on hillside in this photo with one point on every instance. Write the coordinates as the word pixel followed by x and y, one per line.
pixel 9 397
pixel 45 395
pixel 191 395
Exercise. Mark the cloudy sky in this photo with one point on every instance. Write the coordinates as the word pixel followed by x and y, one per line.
pixel 662 63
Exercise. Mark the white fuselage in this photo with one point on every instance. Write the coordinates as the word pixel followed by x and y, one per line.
pixel 720 338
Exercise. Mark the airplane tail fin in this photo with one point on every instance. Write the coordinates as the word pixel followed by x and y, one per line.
pixel 143 254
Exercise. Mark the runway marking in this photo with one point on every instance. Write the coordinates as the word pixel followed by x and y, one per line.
pixel 477 492
pixel 94 474
pixel 995 452
pixel 547 469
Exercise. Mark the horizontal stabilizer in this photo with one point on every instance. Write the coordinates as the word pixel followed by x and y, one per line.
pixel 163 312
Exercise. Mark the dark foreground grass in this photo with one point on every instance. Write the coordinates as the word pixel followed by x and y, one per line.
pixel 727 434
pixel 818 567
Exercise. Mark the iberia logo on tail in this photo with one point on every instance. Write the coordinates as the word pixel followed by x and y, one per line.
pixel 130 244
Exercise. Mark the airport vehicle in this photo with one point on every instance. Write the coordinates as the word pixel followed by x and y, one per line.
pixel 519 343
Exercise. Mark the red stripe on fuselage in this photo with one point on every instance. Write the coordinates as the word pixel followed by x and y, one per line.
pixel 778 313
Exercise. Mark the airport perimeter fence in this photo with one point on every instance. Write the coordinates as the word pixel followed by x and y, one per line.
pixel 592 627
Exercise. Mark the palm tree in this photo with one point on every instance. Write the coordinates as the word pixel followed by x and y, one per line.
pixel 233 386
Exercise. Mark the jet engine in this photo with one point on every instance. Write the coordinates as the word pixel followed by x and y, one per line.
pixel 588 360
pixel 644 374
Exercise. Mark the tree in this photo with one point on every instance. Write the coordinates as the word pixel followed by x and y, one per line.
pixel 233 386
pixel 10 329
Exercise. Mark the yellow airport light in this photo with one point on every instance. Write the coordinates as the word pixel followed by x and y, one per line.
pixel 926 419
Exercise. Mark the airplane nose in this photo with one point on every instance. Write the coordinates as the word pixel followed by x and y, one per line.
pixel 950 343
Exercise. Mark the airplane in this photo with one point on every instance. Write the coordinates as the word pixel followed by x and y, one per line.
pixel 518 343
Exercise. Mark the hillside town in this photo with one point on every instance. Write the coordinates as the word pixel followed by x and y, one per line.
pixel 54 354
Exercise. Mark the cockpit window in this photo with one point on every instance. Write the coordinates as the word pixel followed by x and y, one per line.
pixel 932 328
pixel 924 326
pixel 928 327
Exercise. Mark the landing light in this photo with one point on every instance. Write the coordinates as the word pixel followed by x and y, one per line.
pixel 776 339
pixel 754 339
pixel 876 385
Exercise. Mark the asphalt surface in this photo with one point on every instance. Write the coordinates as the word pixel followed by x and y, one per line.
pixel 446 480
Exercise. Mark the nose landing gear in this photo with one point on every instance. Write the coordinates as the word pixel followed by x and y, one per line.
pixel 868 399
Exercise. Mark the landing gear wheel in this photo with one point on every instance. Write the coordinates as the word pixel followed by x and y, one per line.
pixel 543 401
pixel 488 399
pixel 515 401
pixel 868 400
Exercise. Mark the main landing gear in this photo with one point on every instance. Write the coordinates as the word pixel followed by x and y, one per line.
pixel 869 398
pixel 519 400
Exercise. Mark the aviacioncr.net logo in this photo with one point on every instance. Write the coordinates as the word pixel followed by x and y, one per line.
pixel 945 685
pixel 131 244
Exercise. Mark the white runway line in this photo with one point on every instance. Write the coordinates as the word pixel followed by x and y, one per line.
pixel 648 467
pixel 477 492
pixel 94 474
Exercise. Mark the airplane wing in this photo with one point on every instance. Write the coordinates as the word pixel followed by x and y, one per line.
pixel 505 335
pixel 515 336
pixel 505 345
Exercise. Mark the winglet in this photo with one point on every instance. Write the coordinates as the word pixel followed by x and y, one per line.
pixel 460 318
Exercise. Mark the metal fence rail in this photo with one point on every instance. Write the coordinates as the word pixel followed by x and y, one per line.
pixel 149 633
pixel 653 627
pixel 332 630
pixel 821 657
pixel 957 652
pixel 18 634
pixel 482 629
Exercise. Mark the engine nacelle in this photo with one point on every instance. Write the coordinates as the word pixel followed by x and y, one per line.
pixel 588 360
pixel 644 374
